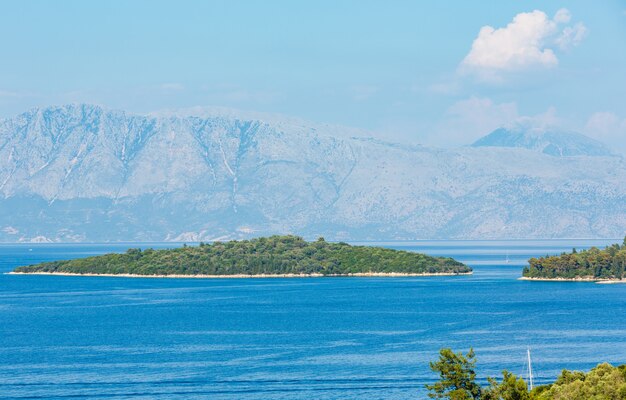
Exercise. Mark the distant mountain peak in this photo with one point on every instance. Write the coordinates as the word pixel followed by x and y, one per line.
pixel 547 140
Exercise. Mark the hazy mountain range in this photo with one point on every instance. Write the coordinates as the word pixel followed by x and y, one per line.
pixel 84 173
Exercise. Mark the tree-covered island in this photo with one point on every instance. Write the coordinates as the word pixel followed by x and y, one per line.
pixel 270 256
pixel 608 264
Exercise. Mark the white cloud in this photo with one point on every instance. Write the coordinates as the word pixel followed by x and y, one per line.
pixel 469 119
pixel 526 42
pixel 243 96
pixel 363 92
pixel 571 36
pixel 481 115
pixel 445 88
pixel 7 94
pixel 10 230
pixel 608 128
pixel 540 122
pixel 562 16
pixel 175 87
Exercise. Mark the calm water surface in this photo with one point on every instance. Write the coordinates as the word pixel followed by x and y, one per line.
pixel 318 338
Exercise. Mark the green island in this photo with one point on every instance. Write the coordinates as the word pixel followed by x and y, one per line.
pixel 457 381
pixel 601 265
pixel 281 256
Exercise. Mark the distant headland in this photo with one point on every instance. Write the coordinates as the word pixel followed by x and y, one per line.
pixel 606 265
pixel 275 256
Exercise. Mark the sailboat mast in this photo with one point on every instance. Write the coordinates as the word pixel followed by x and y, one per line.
pixel 530 370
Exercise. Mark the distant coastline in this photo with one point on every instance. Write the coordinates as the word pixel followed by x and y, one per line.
pixel 257 276
pixel 577 279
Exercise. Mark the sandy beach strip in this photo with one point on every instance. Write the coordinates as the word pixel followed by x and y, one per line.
pixel 611 281
pixel 359 274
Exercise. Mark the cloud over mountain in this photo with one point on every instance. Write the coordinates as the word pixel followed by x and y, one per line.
pixel 608 127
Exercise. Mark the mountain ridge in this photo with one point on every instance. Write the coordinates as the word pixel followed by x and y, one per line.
pixel 87 173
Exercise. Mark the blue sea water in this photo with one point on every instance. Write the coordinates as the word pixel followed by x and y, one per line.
pixel 314 338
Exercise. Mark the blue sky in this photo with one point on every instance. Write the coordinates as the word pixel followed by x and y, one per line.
pixel 420 72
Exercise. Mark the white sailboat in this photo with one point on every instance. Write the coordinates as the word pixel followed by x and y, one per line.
pixel 530 370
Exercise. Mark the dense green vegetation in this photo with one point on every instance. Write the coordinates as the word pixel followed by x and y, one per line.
pixel 457 376
pixel 271 255
pixel 457 381
pixel 609 263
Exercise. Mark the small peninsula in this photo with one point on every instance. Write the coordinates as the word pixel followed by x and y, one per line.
pixel 606 265
pixel 275 256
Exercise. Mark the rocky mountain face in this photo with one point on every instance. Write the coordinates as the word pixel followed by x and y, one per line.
pixel 552 142
pixel 83 173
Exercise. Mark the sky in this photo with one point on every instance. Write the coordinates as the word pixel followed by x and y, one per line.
pixel 432 72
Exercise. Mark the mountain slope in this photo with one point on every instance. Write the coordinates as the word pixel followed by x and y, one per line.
pixel 83 173
pixel 552 142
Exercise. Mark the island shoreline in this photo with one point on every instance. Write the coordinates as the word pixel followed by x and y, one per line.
pixel 578 279
pixel 257 276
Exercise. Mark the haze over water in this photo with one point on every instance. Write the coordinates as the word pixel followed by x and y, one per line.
pixel 322 338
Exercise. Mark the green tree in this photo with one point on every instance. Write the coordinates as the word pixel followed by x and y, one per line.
pixel 607 263
pixel 457 376
pixel 510 388
pixel 604 382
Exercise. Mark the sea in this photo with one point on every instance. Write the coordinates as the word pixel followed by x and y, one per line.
pixel 67 337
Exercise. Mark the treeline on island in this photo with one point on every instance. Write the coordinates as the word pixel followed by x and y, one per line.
pixel 608 263
pixel 457 381
pixel 275 255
